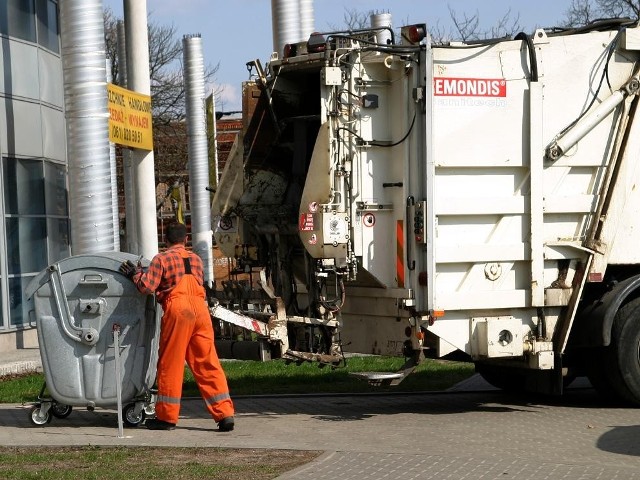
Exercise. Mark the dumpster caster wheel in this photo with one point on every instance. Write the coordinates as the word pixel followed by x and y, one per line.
pixel 38 417
pixel 60 410
pixel 131 419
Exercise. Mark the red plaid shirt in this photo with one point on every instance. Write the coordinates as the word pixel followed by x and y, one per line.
pixel 166 270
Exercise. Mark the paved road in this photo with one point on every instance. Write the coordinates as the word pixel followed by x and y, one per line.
pixel 451 435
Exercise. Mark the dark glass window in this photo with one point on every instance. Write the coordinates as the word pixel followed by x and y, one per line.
pixel 26 244
pixel 23 187
pixel 55 189
pixel 36 226
pixel 19 305
pixel 58 234
pixel 47 14
pixel 17 19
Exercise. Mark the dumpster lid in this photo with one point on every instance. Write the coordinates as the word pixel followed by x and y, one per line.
pixel 106 261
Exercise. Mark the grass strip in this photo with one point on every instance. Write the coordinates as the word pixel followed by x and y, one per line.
pixel 125 463
pixel 276 377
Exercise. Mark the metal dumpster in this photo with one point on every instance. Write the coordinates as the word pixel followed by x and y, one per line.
pixel 80 302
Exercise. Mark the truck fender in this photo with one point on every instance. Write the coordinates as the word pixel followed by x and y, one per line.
pixel 596 320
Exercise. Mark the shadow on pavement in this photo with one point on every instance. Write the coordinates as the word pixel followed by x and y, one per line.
pixel 624 440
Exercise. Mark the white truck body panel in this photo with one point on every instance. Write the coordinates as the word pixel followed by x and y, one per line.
pixel 506 227
pixel 457 197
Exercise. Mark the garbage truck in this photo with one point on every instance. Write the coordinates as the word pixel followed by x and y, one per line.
pixel 475 200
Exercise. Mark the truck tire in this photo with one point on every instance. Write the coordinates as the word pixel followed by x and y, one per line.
pixel 622 358
pixel 597 371
pixel 504 378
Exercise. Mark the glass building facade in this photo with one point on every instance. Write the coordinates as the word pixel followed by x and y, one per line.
pixel 34 231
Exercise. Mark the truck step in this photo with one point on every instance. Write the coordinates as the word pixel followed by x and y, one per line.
pixel 379 379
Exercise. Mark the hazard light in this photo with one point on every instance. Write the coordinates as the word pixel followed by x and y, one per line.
pixel 294 49
pixel 414 33
pixel 316 43
pixel 290 50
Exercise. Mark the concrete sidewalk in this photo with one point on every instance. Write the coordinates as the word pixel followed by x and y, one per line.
pixel 470 432
pixel 25 360
pixel 458 435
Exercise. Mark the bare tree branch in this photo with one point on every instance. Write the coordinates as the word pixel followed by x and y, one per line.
pixel 583 12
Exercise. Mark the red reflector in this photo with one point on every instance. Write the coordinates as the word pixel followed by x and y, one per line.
pixel 416 33
pixel 596 277
pixel 289 51
pixel 316 43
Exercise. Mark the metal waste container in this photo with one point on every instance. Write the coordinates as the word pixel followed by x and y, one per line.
pixel 80 302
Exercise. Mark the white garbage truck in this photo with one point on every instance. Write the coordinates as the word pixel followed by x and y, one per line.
pixel 476 200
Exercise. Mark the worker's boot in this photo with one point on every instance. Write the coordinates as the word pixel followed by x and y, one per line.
pixel 155 424
pixel 226 424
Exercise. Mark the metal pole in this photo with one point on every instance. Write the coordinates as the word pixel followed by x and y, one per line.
pixel 116 353
pixel 87 118
pixel 131 231
pixel 200 207
pixel 285 23
pixel 114 181
pixel 135 22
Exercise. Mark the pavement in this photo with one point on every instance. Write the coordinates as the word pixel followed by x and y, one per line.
pixel 470 432
pixel 18 361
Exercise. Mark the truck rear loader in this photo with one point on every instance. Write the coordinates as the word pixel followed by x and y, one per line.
pixel 477 200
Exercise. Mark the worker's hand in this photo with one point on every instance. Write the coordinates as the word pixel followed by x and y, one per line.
pixel 128 269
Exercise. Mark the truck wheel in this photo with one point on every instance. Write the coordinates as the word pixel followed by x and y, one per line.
pixel 623 356
pixel 597 372
pixel 504 378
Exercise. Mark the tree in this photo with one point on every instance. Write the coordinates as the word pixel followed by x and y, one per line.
pixel 165 66
pixel 582 12
pixel 167 94
pixel 465 27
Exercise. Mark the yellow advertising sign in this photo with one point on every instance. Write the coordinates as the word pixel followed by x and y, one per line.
pixel 129 118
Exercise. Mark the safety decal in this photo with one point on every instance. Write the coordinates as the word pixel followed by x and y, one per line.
pixel 307 222
pixel 225 223
pixel 313 207
pixel 313 239
pixel 400 253
pixel 369 219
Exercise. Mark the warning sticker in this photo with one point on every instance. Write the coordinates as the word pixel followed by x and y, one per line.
pixel 307 222
pixel 369 220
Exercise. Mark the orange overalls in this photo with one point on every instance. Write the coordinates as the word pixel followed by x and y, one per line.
pixel 187 334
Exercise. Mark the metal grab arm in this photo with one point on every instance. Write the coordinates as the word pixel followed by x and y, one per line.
pixel 88 336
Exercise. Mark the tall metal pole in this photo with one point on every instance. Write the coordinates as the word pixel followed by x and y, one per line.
pixel 285 22
pixel 85 92
pixel 201 234
pixel 131 229
pixel 114 181
pixel 138 80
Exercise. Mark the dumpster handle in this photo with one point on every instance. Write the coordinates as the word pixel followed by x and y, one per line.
pixel 88 336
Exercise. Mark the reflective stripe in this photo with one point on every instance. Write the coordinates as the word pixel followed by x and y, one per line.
pixel 217 398
pixel 165 399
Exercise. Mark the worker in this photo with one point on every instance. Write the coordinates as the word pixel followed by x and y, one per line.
pixel 176 277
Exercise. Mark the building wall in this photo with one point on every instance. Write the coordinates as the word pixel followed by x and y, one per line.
pixel 34 219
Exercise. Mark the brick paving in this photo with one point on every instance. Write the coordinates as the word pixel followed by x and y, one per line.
pixel 471 432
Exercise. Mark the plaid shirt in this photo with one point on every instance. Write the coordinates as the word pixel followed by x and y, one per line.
pixel 166 270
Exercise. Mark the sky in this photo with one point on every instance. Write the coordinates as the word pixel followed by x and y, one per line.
pixel 237 31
